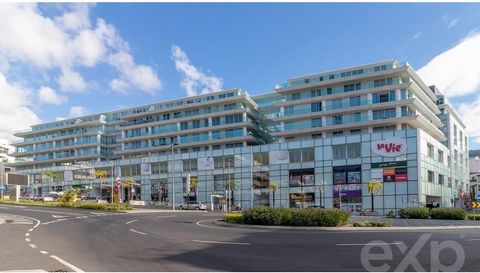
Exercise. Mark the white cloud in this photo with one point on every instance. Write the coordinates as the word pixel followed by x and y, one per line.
pixel 456 71
pixel 450 22
pixel 49 96
pixel 60 118
pixel 194 81
pixel 27 37
pixel 470 111
pixel 133 76
pixel 71 81
pixel 78 111
pixel 417 35
pixel 14 109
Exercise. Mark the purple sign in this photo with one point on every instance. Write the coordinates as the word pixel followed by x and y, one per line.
pixel 348 190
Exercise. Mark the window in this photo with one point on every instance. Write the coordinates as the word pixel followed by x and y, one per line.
pixel 355 131
pixel 337 104
pixel 307 80
pixel 296 96
pixel 260 159
pixel 183 125
pixel 316 122
pixel 357 117
pixel 430 150
pixel 347 175
pixel 337 119
pixel 354 101
pixel 331 77
pixel 228 107
pixel 288 110
pixel 346 151
pixel 220 162
pixel 384 114
pixel 189 164
pixel 261 180
pixel 321 78
pixel 196 124
pixel 302 155
pixel 316 106
pixel 430 176
pixel 441 179
pixel 301 178
pixel 337 133
pixel 329 91
pixel 216 121
pixel 440 156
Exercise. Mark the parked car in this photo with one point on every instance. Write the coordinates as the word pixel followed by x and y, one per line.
pixel 47 199
pixel 315 207
pixel 94 199
pixel 193 205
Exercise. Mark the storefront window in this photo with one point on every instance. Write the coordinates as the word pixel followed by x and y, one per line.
pixel 301 178
pixel 261 180
pixel 301 200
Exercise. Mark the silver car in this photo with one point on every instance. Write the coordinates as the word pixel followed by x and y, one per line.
pixel 193 205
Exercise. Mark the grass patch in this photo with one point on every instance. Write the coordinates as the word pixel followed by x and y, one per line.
pixel 236 218
pixel 79 205
pixel 475 217
pixel 370 224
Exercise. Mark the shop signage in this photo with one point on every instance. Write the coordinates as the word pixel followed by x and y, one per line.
pixel 391 147
pixel 347 190
pixel 205 163
pixel 389 171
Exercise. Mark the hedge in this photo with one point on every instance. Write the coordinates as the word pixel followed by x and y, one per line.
pixel 236 218
pixel 448 213
pixel 475 217
pixel 295 217
pixel 416 213
pixel 370 224
pixel 80 205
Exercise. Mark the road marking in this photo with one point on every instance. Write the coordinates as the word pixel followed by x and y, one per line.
pixel 370 244
pixel 473 239
pixel 129 222
pixel 166 216
pixel 98 213
pixel 81 217
pixel 30 230
pixel 132 230
pixel 223 243
pixel 27 239
pixel 33 246
pixel 27 234
pixel 53 211
pixel 59 216
pixel 74 268
pixel 43 252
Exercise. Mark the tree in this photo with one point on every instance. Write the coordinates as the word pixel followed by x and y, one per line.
pixel 128 184
pixel 273 186
pixel 101 175
pixel 51 176
pixel 374 188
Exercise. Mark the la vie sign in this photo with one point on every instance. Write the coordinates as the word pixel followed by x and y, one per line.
pixel 391 147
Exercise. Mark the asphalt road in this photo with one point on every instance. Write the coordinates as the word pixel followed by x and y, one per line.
pixel 56 239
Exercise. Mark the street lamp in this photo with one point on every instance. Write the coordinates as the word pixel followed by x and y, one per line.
pixel 173 176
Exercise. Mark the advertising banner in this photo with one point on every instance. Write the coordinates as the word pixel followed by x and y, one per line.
pixel 391 147
pixel 348 190
pixel 145 169
pixel 278 157
pixel 376 175
pixel 205 163
pixel 389 171
pixel 68 175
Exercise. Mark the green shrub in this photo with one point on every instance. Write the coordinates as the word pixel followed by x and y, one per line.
pixel 416 213
pixel 448 213
pixel 390 214
pixel 236 218
pixel 296 217
pixel 69 196
pixel 113 207
pixel 475 217
pixel 370 224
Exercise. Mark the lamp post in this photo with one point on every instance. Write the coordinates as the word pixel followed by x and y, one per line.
pixel 173 176
pixel 112 175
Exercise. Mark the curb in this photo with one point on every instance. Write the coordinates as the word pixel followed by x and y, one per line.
pixel 224 224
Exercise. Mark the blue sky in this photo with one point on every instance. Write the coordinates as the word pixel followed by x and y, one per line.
pixel 113 55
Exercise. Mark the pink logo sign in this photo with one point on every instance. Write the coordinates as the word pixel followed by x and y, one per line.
pixel 390 147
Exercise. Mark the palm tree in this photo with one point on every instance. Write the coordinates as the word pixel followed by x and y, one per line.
pixel 374 188
pixel 193 184
pixel 127 184
pixel 51 176
pixel 273 186
pixel 101 175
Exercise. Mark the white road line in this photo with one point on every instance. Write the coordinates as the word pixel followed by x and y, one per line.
pixel 473 239
pixel 81 217
pixel 30 230
pixel 129 222
pixel 27 234
pixel 53 211
pixel 166 216
pixel 223 243
pixel 370 244
pixel 33 246
pixel 74 268
pixel 132 230
pixel 43 252
pixel 27 239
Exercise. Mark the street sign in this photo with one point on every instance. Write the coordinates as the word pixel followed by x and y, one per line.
pixel 478 197
pixel 476 205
